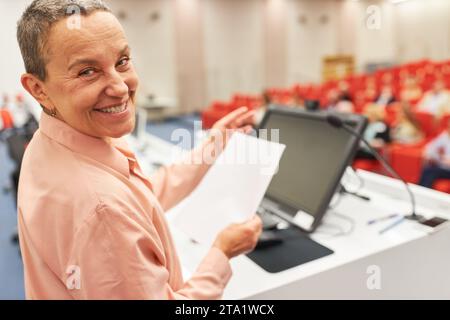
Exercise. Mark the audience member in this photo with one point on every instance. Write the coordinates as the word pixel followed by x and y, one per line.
pixel 386 96
pixel 377 132
pixel 338 102
pixel 370 90
pixel 411 91
pixel 436 101
pixel 406 130
pixel 437 159
pixel 298 101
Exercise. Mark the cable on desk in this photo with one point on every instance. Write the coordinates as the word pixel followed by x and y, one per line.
pixel 360 179
pixel 350 220
pixel 341 231
pixel 338 197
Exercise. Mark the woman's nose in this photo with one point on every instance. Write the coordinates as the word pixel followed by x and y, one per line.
pixel 116 86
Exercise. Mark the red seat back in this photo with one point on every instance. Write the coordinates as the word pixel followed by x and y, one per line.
pixel 427 123
pixel 7 119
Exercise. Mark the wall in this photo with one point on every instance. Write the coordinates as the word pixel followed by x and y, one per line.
pixel 275 43
pixel 149 26
pixel 227 46
pixel 312 34
pixel 423 29
pixel 191 80
pixel 375 43
pixel 11 64
pixel 233 44
pixel 410 30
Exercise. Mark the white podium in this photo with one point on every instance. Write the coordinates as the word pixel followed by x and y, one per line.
pixel 405 262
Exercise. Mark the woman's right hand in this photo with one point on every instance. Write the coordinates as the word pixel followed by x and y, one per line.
pixel 239 238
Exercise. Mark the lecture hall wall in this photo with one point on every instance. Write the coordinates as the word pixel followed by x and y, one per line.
pixel 199 50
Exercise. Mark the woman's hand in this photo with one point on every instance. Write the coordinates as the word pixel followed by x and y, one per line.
pixel 239 238
pixel 240 120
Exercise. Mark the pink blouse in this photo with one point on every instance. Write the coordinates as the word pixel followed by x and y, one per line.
pixel 92 226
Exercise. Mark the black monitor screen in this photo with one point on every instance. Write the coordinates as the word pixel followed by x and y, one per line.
pixel 313 162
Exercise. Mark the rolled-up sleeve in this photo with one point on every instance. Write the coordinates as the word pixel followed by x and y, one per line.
pixel 173 183
pixel 118 258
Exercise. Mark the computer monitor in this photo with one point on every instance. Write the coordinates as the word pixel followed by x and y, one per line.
pixel 316 156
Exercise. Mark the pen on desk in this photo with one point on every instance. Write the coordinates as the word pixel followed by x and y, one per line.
pixel 392 225
pixel 382 219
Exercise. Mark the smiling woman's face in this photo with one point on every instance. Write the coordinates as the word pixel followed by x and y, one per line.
pixel 91 81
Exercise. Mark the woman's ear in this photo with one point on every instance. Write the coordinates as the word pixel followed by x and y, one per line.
pixel 36 88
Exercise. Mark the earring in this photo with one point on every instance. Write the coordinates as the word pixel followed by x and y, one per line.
pixel 51 112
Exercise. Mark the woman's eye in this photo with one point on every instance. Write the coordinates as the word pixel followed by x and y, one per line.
pixel 86 73
pixel 123 62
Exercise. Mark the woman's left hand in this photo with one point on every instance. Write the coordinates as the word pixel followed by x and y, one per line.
pixel 240 120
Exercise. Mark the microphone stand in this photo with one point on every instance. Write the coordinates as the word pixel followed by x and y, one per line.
pixel 338 123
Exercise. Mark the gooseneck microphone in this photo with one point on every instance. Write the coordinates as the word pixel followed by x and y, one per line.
pixel 337 122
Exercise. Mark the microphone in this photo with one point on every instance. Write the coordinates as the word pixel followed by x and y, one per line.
pixel 338 123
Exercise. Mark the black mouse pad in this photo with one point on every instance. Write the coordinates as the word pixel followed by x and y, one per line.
pixel 297 248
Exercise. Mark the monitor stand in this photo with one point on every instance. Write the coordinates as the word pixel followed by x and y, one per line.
pixel 297 248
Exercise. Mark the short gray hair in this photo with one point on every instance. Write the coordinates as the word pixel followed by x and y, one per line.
pixel 34 26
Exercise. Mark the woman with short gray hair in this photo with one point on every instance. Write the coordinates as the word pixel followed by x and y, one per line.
pixel 91 225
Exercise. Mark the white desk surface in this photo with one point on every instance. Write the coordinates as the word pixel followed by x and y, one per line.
pixel 412 263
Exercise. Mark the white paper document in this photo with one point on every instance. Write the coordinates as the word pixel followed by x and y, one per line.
pixel 232 188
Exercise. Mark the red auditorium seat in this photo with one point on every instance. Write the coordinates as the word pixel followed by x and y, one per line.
pixel 444 122
pixel 442 185
pixel 7 119
pixel 366 164
pixel 210 116
pixel 218 105
pixel 391 113
pixel 407 161
pixel 427 123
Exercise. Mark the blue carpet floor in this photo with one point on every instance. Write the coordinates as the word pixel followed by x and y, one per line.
pixel 11 268
pixel 166 129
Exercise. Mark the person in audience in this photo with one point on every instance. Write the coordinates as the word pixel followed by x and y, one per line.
pixel 436 101
pixel 344 91
pixel 5 101
pixel 437 159
pixel 411 91
pixel 298 101
pixel 387 79
pixel 19 111
pixel 406 130
pixel 370 90
pixel 338 102
pixel 386 96
pixel 377 133
pixel 6 117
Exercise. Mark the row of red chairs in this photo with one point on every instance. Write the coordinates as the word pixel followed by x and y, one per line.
pixel 6 118
pixel 427 72
pixel 406 159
